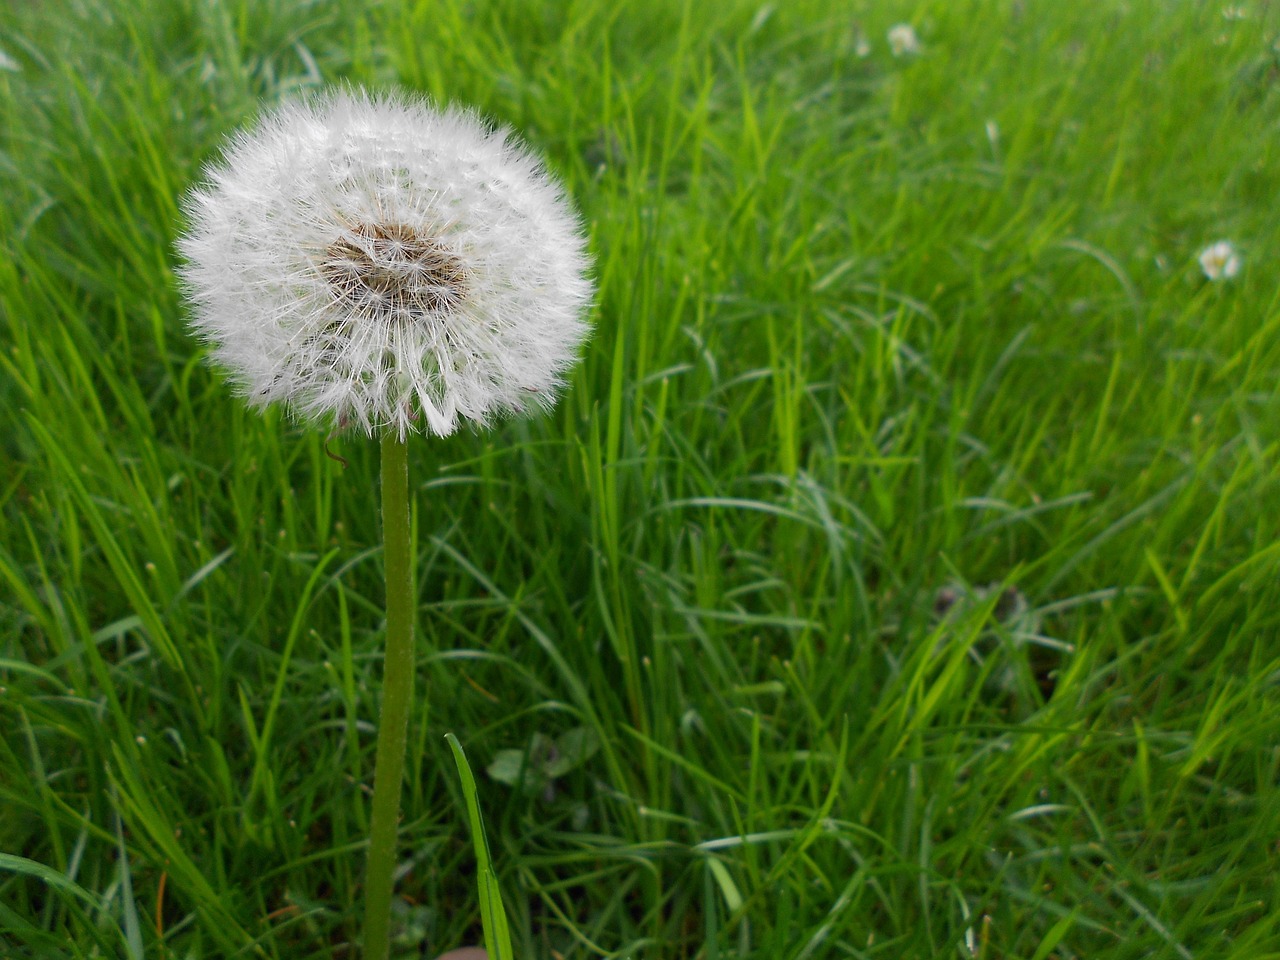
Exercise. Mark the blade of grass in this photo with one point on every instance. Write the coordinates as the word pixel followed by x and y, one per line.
pixel 497 934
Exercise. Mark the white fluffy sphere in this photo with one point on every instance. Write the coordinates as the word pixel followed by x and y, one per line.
pixel 372 261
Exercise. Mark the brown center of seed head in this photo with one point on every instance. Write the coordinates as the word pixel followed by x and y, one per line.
pixel 390 271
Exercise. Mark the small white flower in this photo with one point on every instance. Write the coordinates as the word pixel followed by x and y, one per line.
pixel 1235 12
pixel 371 261
pixel 8 63
pixel 1220 261
pixel 903 40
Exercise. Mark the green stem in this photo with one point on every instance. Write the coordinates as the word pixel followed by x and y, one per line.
pixel 397 695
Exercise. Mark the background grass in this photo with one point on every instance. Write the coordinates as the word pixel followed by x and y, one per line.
pixel 898 577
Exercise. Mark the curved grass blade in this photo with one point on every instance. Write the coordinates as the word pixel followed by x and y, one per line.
pixel 497 934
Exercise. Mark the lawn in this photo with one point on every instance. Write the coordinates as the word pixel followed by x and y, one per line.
pixel 897 577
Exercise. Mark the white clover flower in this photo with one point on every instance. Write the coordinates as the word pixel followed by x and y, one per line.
pixel 371 261
pixel 903 40
pixel 1220 261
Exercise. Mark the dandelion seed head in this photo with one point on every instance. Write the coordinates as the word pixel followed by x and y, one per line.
pixel 1220 261
pixel 861 45
pixel 374 262
pixel 903 40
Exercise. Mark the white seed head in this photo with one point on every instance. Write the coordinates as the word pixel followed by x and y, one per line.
pixel 1220 261
pixel 903 40
pixel 371 261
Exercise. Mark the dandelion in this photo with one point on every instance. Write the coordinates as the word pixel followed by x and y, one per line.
pixel 903 40
pixel 861 45
pixel 371 262
pixel 375 263
pixel 1220 261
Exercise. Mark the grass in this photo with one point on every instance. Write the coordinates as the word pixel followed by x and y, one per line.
pixel 897 578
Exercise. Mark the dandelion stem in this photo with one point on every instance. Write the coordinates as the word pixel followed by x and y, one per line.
pixel 397 694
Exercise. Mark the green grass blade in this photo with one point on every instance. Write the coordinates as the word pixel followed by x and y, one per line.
pixel 497 934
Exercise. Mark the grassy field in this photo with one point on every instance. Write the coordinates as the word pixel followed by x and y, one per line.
pixel 896 579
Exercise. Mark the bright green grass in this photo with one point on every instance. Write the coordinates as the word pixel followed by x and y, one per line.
pixel 874 335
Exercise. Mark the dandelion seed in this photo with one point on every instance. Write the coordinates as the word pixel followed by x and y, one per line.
pixel 370 261
pixel 903 40
pixel 1220 261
